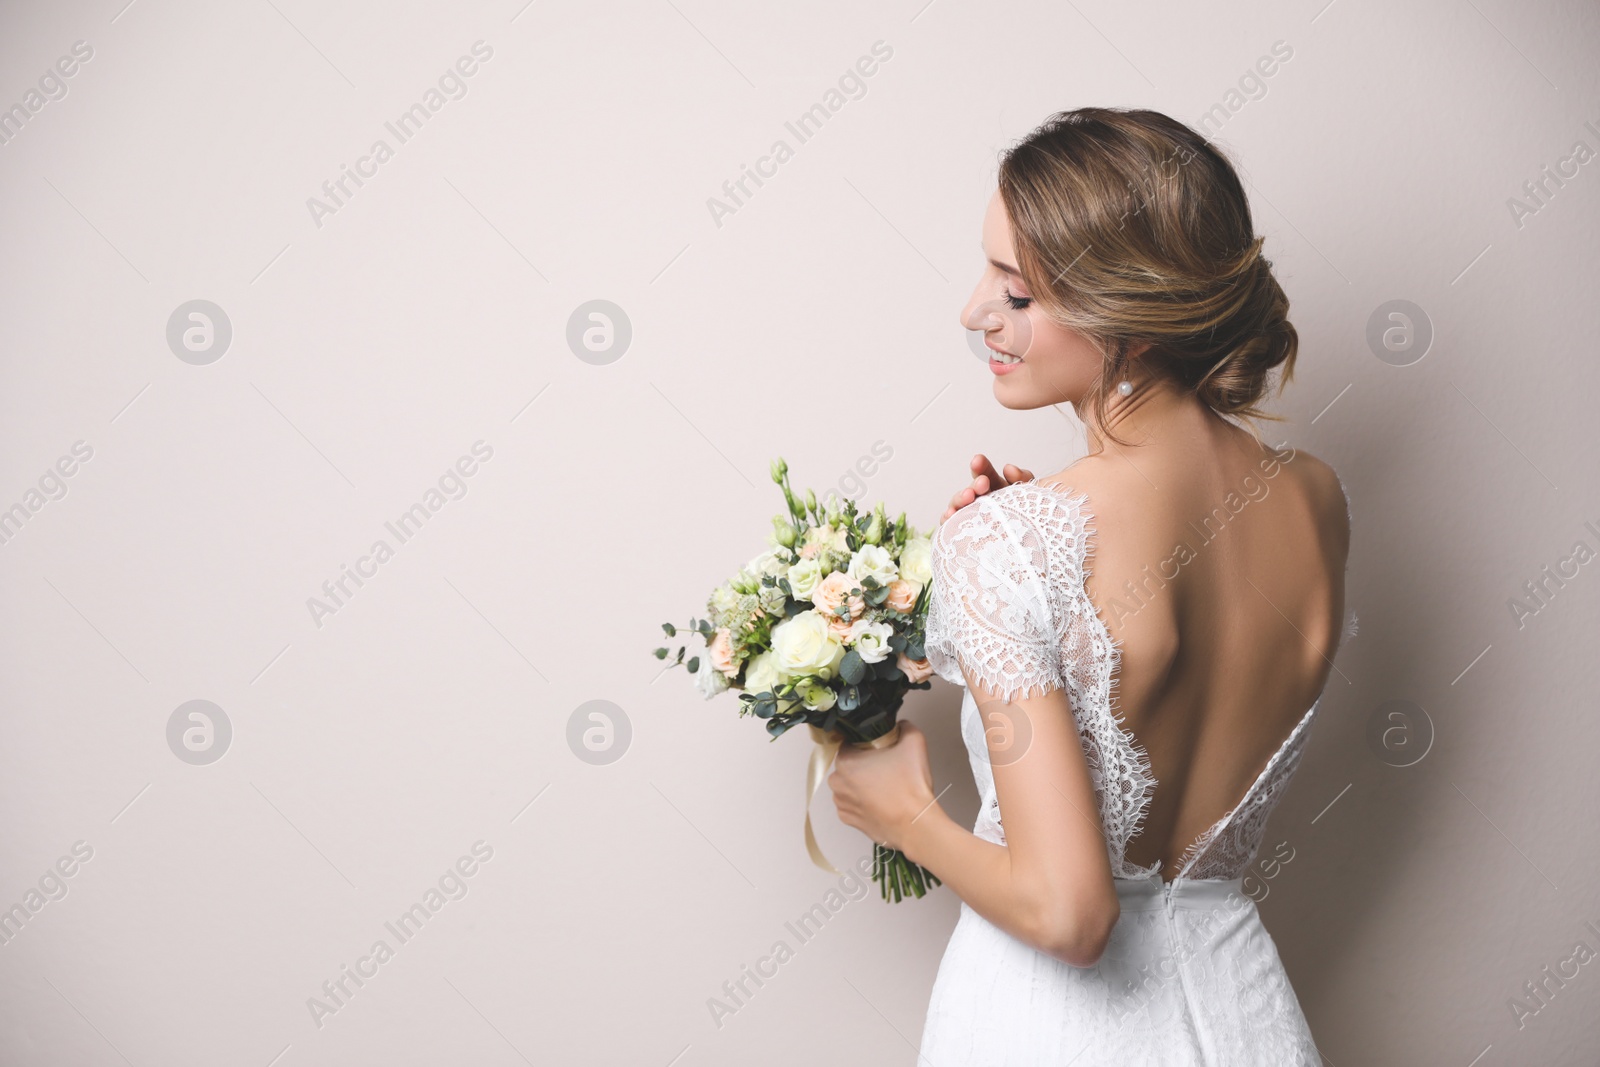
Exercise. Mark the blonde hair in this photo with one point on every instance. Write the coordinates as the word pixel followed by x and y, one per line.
pixel 1131 228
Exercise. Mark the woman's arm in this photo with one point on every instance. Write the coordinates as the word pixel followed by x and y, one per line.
pixel 1050 885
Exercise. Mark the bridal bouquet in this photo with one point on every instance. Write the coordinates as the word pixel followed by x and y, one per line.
pixel 825 628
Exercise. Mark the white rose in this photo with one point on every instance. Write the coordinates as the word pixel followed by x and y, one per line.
pixel 773 599
pixel 803 578
pixel 806 645
pixel 821 538
pixel 723 601
pixel 873 561
pixel 818 697
pixel 709 680
pixel 871 640
pixel 761 674
pixel 772 563
pixel 916 560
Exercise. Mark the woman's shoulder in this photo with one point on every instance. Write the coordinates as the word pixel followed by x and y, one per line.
pixel 1116 500
pixel 1323 487
pixel 1333 492
pixel 1115 485
pixel 1020 509
pixel 1029 525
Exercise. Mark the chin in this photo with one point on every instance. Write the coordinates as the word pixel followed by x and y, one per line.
pixel 1012 399
pixel 1015 393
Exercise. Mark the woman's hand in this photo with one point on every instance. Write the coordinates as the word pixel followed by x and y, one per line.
pixel 984 480
pixel 881 791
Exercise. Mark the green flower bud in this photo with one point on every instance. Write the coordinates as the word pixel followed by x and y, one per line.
pixel 874 534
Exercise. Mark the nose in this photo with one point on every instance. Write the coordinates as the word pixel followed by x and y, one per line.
pixel 979 314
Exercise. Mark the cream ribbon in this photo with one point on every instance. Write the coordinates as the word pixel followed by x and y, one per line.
pixel 827 747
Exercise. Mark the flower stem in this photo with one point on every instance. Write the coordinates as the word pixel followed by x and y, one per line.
pixel 898 877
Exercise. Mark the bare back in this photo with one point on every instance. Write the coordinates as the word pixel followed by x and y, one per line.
pixel 1219 568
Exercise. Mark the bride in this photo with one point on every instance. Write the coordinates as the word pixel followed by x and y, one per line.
pixel 1142 638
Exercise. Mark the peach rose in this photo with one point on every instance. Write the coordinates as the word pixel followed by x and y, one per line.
pixel 902 595
pixel 918 670
pixel 720 652
pixel 833 591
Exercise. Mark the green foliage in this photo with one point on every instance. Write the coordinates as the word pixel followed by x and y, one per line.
pixel 852 667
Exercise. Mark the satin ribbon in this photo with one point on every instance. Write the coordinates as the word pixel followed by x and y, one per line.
pixel 827 744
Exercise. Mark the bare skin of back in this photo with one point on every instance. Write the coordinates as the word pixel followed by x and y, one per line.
pixel 1218 567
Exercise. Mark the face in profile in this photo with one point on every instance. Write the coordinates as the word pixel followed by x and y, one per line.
pixel 1035 361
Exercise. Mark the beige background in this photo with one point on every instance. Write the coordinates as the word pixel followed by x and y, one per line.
pixel 430 312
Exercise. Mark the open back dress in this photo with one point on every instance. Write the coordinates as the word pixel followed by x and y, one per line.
pixel 1190 976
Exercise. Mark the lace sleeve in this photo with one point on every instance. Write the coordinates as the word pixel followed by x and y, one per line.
pixel 990 612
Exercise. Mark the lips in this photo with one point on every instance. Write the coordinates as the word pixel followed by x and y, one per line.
pixel 1001 361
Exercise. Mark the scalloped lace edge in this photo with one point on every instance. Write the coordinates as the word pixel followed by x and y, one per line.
pixel 1197 848
pixel 1145 784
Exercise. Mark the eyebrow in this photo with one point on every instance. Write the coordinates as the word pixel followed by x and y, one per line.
pixel 1008 268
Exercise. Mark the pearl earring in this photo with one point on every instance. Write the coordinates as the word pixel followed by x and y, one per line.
pixel 1125 387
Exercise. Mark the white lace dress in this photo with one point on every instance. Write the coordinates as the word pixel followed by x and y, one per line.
pixel 1190 975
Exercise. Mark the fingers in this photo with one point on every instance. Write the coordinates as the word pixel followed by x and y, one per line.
pixel 1015 473
pixel 982 468
pixel 962 498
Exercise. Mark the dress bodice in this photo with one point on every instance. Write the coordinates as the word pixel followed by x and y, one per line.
pixel 1010 607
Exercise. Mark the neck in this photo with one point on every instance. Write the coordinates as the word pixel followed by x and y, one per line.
pixel 1155 407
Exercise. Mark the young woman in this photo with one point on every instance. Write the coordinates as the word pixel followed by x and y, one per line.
pixel 1130 724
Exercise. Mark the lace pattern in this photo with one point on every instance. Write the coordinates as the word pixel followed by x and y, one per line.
pixel 1009 608
pixel 993 612
pixel 1229 846
pixel 1190 977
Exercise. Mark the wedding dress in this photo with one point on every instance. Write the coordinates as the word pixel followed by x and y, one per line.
pixel 1190 976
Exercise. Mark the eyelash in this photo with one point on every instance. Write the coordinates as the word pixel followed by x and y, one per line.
pixel 1017 303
